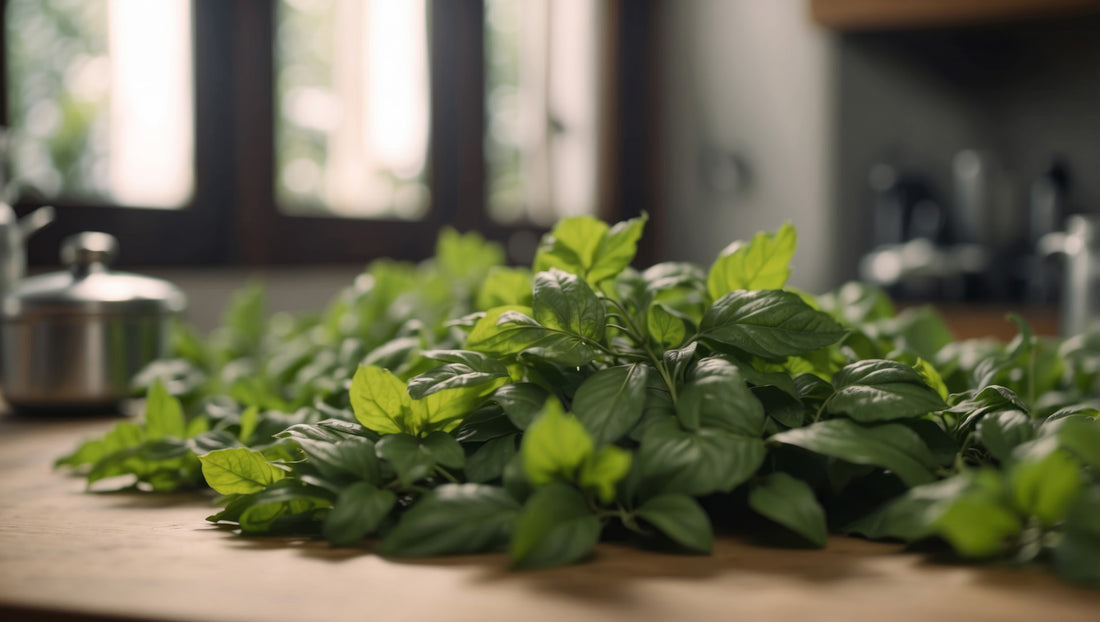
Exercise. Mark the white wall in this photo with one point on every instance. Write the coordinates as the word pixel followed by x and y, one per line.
pixel 750 78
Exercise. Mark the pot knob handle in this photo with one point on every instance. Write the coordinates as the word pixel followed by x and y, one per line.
pixel 83 250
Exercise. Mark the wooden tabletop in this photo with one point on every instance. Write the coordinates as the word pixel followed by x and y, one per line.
pixel 68 554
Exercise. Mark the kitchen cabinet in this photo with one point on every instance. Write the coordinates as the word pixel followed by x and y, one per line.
pixel 70 555
pixel 875 14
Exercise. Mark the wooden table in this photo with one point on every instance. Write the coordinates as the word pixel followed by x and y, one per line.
pixel 66 554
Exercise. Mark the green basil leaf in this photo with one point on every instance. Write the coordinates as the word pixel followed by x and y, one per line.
pixel 555 446
pixel 696 463
pixel 444 450
pixel 163 415
pixel 564 302
pixel 488 462
pixel 977 524
pixel 282 502
pixel 601 471
pixel 522 402
pixel 454 519
pixel 504 286
pixel 681 518
pixel 358 511
pixel 515 332
pixel 791 503
pixel 890 446
pixel 1045 488
pixel 1075 556
pixel 409 459
pixel 856 303
pixel 716 396
pixel 611 401
pixel 762 263
pixel 556 527
pixel 767 323
pixel 664 326
pixel 337 460
pixel 880 390
pixel 464 368
pixel 238 471
pixel 1080 435
pixel 380 400
pixel 571 245
pixel 1004 431
pixel 616 249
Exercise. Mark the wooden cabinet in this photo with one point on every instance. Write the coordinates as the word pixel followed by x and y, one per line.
pixel 875 14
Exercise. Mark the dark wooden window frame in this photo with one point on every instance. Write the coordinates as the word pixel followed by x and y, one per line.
pixel 232 218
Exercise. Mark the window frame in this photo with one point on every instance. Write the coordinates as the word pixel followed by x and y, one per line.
pixel 233 218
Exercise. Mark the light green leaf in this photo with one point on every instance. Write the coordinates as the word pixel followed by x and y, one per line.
pixel 681 518
pixel 505 286
pixel 1045 488
pixel 250 418
pixel 664 326
pixel 238 471
pixel 454 519
pixel 555 446
pixel 358 511
pixel 616 249
pixel 556 527
pixel 931 377
pixel 763 263
pixel 571 245
pixel 977 525
pixel 611 401
pixel 791 503
pixel 163 415
pixel 380 400
pixel 891 446
pixel 767 323
pixel 881 390
pixel 505 332
pixel 602 471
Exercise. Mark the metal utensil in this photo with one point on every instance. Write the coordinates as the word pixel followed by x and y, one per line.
pixel 73 340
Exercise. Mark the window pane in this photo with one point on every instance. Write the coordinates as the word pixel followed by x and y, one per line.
pixel 100 99
pixel 353 107
pixel 541 95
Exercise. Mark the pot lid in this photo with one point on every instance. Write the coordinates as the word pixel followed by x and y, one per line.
pixel 90 287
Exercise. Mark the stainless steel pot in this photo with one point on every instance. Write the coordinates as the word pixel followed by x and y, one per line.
pixel 73 340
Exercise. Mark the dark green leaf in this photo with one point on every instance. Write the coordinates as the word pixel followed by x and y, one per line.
pixel 1003 431
pixel 407 457
pixel 463 368
pixel 880 390
pixel 521 402
pixel 791 503
pixel 681 518
pixel 556 527
pixel 696 463
pixel 890 446
pixel 358 511
pixel 564 302
pixel 767 323
pixel 610 401
pixel 716 396
pixel 488 462
pixel 454 519
pixel 444 450
pixel 353 457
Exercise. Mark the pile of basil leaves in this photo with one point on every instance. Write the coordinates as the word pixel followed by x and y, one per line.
pixel 460 406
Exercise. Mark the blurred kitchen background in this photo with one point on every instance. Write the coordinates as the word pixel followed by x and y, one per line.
pixel 935 147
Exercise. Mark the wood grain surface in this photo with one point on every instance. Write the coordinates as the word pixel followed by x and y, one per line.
pixel 68 554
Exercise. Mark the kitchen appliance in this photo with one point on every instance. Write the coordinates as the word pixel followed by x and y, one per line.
pixel 74 339
pixel 1080 244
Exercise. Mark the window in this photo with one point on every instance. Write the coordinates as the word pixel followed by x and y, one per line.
pixel 327 130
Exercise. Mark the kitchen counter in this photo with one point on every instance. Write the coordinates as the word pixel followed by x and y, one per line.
pixel 66 554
